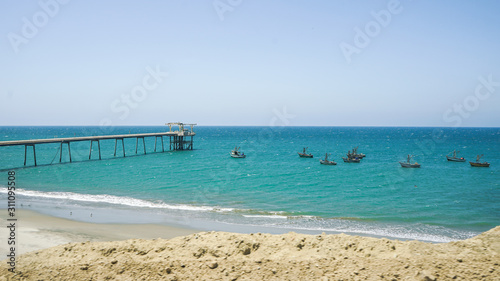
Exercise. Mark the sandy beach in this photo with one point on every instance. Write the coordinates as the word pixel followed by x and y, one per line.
pixel 231 256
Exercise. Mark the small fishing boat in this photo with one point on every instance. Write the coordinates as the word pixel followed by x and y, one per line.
pixel 326 161
pixel 356 154
pixel 454 158
pixel 408 164
pixel 235 153
pixel 479 164
pixel 351 158
pixel 304 153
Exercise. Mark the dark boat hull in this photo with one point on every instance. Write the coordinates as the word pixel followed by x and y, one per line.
pixel 303 155
pixel 476 164
pixel 455 159
pixel 408 165
pixel 238 156
pixel 327 162
pixel 350 160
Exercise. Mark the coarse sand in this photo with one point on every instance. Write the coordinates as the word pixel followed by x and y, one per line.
pixel 291 256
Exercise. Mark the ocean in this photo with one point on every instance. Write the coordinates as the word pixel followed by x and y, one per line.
pixel 272 189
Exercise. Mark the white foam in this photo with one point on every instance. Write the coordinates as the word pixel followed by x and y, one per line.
pixel 117 200
pixel 266 216
pixel 407 235
pixel 274 219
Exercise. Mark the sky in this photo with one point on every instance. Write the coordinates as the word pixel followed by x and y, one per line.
pixel 250 63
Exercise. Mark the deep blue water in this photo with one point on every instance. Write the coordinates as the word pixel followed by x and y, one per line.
pixel 272 189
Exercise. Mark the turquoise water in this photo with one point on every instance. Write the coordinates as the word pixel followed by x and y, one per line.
pixel 272 189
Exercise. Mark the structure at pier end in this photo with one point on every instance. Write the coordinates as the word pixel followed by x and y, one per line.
pixel 182 139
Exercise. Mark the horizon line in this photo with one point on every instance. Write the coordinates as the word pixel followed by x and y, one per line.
pixel 318 126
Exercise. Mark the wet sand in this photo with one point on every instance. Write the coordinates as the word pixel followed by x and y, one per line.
pixel 36 231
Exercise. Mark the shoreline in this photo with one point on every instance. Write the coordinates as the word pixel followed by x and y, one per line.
pixel 103 215
pixel 36 231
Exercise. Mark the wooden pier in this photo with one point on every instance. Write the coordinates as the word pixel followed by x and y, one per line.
pixel 181 139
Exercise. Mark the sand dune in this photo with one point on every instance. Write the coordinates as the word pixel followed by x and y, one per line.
pixel 292 256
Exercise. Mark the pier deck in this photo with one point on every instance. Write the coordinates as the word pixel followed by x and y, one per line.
pixel 89 138
pixel 177 141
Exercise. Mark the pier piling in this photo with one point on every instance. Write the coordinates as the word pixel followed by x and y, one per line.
pixel 143 142
pixel 61 151
pixel 26 152
pixel 162 148
pixel 123 145
pixel 98 147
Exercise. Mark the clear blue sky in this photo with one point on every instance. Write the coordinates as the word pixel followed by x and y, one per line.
pixel 238 62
